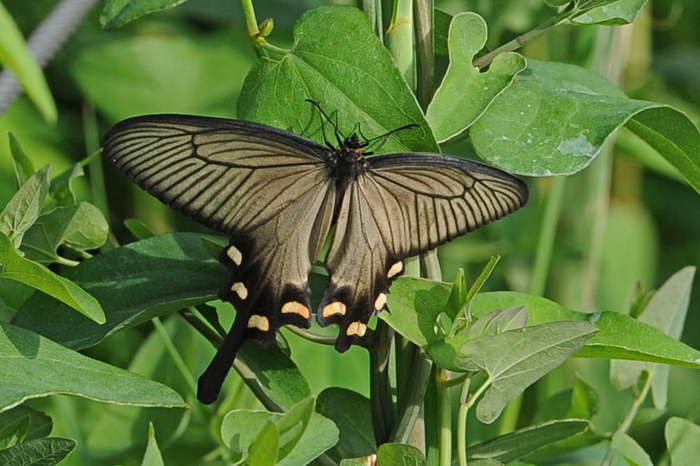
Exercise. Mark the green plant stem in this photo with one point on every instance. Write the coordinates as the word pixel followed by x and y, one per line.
pixel 374 14
pixel 410 408
pixel 380 388
pixel 545 242
pixel 515 44
pixel 629 417
pixel 462 424
pixel 399 40
pixel 95 168
pixel 444 417
pixel 251 24
pixel 311 336
pixel 425 54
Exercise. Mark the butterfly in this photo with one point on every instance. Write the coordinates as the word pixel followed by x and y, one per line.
pixel 278 195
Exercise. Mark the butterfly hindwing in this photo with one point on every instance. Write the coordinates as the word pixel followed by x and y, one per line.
pixel 403 205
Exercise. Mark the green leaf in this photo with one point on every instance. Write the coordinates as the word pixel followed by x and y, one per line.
pixel 241 427
pixel 16 56
pixel 666 312
pixel 614 13
pixel 415 305
pixel 674 136
pixel 465 93
pixel 522 442
pixel 400 455
pixel 117 13
pixel 152 457
pixel 32 366
pixel 277 374
pixel 15 433
pixel 293 424
pixel 40 424
pixel 630 450
pixel 22 162
pixel 135 283
pixel 683 441
pixel 351 412
pixel 24 207
pixel 263 451
pixel 44 452
pixel 516 359
pixel 320 435
pixel 302 435
pixel 441 29
pixel 15 267
pixel 61 191
pixel 79 227
pixel 139 229
pixel 528 115
pixel 499 321
pixel 338 62
pixel 579 402
pixel 458 296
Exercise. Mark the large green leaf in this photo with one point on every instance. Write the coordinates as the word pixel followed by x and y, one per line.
pixel 516 359
pixel 17 268
pixel 465 93
pixel 134 283
pixel 32 366
pixel 338 62
pixel 554 119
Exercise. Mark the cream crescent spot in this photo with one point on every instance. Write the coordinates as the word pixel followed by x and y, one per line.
pixel 380 302
pixel 356 329
pixel 333 308
pixel 259 322
pixel 240 289
pixel 395 269
pixel 235 255
pixel 294 307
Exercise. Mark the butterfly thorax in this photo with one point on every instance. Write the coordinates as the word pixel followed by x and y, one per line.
pixel 348 162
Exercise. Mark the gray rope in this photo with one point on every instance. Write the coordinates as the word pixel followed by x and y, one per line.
pixel 45 42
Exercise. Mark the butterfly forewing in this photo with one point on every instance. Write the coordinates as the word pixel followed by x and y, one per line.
pixel 269 189
pixel 403 205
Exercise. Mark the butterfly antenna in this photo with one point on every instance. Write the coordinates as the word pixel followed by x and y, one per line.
pixel 325 118
pixel 388 135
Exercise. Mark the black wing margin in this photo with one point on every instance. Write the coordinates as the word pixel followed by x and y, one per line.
pixel 268 189
pixel 401 206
